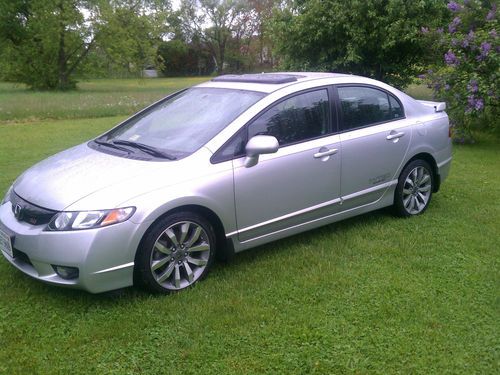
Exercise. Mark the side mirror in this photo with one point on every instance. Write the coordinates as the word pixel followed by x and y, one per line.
pixel 258 145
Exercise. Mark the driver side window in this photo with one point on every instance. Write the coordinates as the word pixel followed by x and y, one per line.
pixel 296 119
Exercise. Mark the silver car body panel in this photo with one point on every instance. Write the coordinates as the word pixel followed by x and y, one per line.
pixel 308 182
pixel 288 192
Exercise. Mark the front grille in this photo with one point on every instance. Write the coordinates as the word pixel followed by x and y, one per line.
pixel 28 212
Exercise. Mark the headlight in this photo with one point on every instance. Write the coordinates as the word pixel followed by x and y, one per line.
pixel 7 196
pixel 65 221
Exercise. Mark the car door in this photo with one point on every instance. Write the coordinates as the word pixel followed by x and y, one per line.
pixel 298 183
pixel 375 136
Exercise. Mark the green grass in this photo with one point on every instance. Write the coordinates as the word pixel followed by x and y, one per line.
pixel 96 98
pixel 420 92
pixel 373 294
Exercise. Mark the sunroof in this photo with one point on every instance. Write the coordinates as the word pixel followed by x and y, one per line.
pixel 257 78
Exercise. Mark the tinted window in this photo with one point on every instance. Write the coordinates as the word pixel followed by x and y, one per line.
pixel 295 119
pixel 396 110
pixel 363 106
pixel 235 147
pixel 184 123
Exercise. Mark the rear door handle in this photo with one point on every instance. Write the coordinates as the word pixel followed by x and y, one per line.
pixel 394 135
pixel 322 154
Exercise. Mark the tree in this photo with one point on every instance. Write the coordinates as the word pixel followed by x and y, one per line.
pixel 373 38
pixel 181 58
pixel 44 43
pixel 131 31
pixel 263 14
pixel 214 22
pixel 466 73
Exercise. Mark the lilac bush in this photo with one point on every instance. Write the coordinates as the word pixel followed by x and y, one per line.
pixel 467 75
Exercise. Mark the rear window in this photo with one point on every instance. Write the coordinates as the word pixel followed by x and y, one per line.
pixel 363 106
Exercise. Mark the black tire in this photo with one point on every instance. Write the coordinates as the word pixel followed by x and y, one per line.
pixel 159 237
pixel 404 204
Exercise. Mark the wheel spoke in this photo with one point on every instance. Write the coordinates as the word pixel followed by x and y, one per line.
pixel 159 263
pixel 189 272
pixel 201 247
pixel 197 262
pixel 170 233
pixel 414 175
pixel 406 202
pixel 417 202
pixel 420 172
pixel 194 237
pixel 162 249
pixel 413 203
pixel 184 232
pixel 420 203
pixel 424 179
pixel 422 197
pixel 177 276
pixel 407 191
pixel 165 275
pixel 425 188
pixel 409 181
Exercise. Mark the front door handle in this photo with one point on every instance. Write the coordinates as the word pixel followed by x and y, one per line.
pixel 394 135
pixel 323 151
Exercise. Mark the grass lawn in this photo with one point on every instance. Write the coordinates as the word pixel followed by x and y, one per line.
pixel 373 294
pixel 96 98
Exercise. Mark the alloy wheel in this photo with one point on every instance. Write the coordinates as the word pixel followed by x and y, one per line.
pixel 417 190
pixel 180 255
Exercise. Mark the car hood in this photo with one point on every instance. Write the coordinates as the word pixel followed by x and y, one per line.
pixel 79 172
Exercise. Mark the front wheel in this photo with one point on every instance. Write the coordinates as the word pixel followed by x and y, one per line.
pixel 414 189
pixel 176 252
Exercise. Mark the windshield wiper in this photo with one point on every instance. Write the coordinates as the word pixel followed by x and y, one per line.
pixel 103 143
pixel 145 148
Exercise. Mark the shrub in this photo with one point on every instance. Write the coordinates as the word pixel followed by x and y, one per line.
pixel 466 75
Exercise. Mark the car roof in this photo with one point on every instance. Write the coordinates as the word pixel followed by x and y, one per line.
pixel 271 82
pixel 266 82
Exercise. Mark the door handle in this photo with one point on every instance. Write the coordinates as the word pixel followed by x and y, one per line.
pixel 322 154
pixel 394 135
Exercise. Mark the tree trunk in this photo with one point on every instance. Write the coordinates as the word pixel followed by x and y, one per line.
pixel 62 61
pixel 222 52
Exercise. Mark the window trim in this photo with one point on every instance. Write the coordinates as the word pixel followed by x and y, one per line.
pixel 340 113
pixel 332 124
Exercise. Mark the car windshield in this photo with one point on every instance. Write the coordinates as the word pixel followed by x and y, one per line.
pixel 182 124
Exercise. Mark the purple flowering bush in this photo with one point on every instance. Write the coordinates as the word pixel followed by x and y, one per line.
pixel 466 75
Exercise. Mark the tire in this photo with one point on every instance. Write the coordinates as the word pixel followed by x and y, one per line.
pixel 414 189
pixel 176 252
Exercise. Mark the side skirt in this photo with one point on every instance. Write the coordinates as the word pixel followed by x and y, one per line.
pixel 386 200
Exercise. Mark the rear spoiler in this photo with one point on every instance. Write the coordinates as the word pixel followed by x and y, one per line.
pixel 438 106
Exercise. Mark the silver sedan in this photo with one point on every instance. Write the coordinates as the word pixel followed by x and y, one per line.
pixel 219 168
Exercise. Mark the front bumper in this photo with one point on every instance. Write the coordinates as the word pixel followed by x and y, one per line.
pixel 103 256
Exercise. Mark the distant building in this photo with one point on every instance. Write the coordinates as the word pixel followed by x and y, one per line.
pixel 150 73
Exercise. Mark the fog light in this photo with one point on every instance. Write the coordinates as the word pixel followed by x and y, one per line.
pixel 66 273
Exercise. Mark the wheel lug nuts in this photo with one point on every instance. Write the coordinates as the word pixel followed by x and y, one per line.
pixel 186 254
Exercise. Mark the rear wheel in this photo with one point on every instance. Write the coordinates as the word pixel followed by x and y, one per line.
pixel 414 189
pixel 177 252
